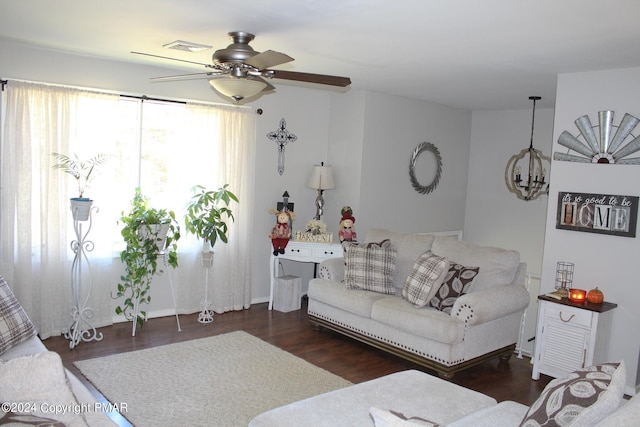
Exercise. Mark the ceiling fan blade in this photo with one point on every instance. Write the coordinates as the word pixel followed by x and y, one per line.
pixel 190 76
pixel 173 59
pixel 268 58
pixel 310 78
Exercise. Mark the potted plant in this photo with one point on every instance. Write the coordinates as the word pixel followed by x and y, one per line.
pixel 205 218
pixel 148 233
pixel 206 214
pixel 84 172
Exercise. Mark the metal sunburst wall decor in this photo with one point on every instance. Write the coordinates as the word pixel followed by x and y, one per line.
pixel 282 137
pixel 599 145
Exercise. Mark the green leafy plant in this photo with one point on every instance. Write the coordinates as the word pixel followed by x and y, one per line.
pixel 207 213
pixel 142 236
pixel 81 170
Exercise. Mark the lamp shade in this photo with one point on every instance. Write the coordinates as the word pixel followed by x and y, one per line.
pixel 321 178
pixel 236 88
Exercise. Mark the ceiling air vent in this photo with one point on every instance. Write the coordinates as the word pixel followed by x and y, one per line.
pixel 186 46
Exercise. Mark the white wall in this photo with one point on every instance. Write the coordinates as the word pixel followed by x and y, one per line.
pixel 393 128
pixel 600 260
pixel 496 217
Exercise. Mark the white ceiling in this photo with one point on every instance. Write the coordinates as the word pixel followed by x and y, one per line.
pixel 472 54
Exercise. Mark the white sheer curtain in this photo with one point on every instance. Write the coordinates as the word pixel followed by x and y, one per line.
pixel 36 226
pixel 227 136
pixel 204 144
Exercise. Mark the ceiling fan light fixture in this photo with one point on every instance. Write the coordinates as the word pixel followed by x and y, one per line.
pixel 237 89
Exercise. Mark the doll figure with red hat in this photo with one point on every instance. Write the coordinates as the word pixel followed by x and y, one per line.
pixel 281 232
pixel 346 229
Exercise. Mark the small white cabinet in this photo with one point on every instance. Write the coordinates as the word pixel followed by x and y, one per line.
pixel 570 335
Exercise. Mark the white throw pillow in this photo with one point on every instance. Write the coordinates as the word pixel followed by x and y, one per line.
pixel 37 385
pixel 384 418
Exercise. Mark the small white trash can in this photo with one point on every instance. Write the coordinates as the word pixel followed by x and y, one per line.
pixel 287 293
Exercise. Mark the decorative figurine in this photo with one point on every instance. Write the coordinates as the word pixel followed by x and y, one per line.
pixel 346 230
pixel 281 232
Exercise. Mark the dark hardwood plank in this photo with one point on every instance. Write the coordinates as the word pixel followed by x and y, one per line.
pixel 291 331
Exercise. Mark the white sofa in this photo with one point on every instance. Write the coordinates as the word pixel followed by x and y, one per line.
pixel 482 324
pixel 411 398
pixel 34 385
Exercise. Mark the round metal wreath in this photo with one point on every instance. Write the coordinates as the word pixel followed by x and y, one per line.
pixel 425 189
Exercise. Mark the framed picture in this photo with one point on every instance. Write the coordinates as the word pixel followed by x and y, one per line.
pixel 597 213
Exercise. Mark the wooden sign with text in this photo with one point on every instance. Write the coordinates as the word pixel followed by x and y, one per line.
pixel 597 213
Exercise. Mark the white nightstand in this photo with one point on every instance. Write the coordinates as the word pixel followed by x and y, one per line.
pixel 570 335
pixel 302 252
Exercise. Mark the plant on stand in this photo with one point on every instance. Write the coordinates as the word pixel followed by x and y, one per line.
pixel 207 213
pixel 148 233
pixel 83 170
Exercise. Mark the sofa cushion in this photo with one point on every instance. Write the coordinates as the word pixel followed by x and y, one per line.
pixel 425 278
pixel 456 283
pixel 370 266
pixel 337 295
pixel 39 383
pixel 581 398
pixel 627 414
pixel 421 322
pixel 497 266
pixel 506 413
pixel 409 246
pixel 15 325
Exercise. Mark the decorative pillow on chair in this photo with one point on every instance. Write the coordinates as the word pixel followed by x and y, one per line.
pixel 370 266
pixel 582 398
pixel 15 325
pixel 455 284
pixel 425 278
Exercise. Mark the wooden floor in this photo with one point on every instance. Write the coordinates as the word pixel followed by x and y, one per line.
pixel 345 357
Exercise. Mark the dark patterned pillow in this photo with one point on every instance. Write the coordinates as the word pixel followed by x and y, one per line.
pixel 15 420
pixel 582 398
pixel 15 325
pixel 425 278
pixel 455 284
pixel 370 266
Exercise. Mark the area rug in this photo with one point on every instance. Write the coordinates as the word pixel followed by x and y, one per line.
pixel 223 380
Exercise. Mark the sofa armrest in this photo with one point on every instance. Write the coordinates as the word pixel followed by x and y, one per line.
pixel 490 304
pixel 332 269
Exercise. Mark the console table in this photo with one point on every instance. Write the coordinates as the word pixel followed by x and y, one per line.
pixel 570 335
pixel 302 252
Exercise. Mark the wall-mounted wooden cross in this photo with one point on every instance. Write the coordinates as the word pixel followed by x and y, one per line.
pixel 282 137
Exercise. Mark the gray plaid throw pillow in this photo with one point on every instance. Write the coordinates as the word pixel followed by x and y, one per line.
pixel 425 278
pixel 15 325
pixel 370 266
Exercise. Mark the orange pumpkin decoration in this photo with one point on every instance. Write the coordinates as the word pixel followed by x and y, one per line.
pixel 595 296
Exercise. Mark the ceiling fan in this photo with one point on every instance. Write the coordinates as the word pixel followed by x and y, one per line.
pixel 239 72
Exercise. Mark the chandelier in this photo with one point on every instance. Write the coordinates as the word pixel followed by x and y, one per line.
pixel 532 183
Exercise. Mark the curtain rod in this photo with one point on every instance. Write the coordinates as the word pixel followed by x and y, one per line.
pixel 3 83
pixel 146 98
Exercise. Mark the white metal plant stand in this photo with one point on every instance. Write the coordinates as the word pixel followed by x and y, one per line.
pixel 206 313
pixel 81 328
pixel 165 259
